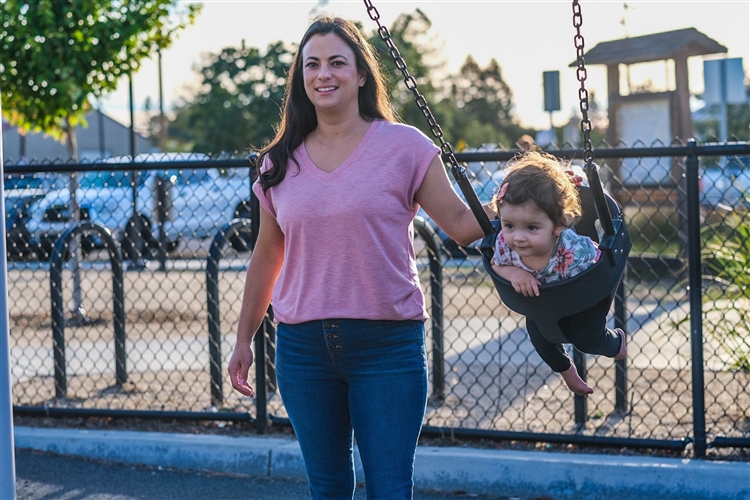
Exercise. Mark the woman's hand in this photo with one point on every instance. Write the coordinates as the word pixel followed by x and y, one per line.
pixel 239 366
pixel 575 178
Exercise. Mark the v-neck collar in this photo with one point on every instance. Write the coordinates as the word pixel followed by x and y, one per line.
pixel 322 174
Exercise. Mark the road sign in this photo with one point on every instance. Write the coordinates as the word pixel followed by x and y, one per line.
pixel 551 90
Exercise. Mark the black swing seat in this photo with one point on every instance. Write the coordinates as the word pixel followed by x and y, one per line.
pixel 576 294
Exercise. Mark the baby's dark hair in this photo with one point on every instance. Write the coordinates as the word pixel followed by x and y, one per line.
pixel 541 178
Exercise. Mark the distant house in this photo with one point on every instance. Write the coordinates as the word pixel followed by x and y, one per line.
pixel 104 137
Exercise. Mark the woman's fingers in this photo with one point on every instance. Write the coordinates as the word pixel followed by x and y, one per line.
pixel 240 384
pixel 239 366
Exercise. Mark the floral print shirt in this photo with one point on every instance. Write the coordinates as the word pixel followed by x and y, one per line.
pixel 573 254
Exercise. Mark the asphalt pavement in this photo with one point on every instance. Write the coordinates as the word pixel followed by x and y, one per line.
pixel 125 465
pixel 47 476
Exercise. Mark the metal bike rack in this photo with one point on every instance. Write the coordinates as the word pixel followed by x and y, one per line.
pixel 233 228
pixel 58 312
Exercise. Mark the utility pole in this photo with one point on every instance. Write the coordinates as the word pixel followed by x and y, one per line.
pixel 134 241
pixel 162 118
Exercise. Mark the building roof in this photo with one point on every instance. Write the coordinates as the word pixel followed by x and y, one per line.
pixel 655 47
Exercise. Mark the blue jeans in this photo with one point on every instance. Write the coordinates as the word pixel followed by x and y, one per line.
pixel 340 377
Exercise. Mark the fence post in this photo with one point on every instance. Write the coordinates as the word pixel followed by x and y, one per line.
pixel 580 402
pixel 695 298
pixel 436 311
pixel 58 320
pixel 621 365
pixel 58 314
pixel 7 456
pixel 163 206
pixel 214 314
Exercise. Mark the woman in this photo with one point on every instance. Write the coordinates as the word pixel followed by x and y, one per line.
pixel 340 185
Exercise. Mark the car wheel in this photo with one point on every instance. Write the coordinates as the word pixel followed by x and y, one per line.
pixel 241 242
pixel 137 238
pixel 172 245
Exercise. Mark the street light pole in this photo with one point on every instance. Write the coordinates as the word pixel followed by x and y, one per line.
pixel 7 447
pixel 162 118
pixel 135 231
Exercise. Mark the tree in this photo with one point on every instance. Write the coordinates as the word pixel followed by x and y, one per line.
pixel 58 54
pixel 242 90
pixel 239 103
pixel 738 124
pixel 410 34
pixel 484 103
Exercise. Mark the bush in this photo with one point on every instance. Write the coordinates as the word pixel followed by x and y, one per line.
pixel 726 290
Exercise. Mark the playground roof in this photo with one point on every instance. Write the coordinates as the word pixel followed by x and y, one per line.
pixel 687 42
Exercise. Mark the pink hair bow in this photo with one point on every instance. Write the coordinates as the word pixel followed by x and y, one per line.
pixel 503 190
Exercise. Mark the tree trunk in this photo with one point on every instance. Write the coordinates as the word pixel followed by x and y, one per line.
pixel 72 141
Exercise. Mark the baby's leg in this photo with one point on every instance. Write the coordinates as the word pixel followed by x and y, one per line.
pixel 557 358
pixel 588 332
pixel 552 354
pixel 574 382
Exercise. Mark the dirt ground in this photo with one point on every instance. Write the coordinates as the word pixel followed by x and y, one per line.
pixel 491 379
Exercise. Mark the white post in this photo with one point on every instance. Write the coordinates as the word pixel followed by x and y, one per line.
pixel 723 83
pixel 7 448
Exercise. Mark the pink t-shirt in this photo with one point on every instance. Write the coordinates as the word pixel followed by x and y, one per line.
pixel 348 235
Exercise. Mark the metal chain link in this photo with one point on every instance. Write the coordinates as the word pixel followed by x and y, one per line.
pixel 583 94
pixel 411 84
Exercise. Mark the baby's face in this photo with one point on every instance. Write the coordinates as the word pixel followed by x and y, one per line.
pixel 528 230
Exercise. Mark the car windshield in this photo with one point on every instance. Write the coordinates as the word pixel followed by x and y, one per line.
pixel 22 182
pixel 184 177
pixel 103 179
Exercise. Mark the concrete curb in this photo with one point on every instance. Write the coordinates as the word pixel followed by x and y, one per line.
pixel 474 471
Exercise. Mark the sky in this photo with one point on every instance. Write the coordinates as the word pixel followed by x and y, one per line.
pixel 525 37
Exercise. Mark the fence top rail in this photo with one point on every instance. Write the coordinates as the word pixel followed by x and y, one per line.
pixel 59 165
pixel 186 164
pixel 728 149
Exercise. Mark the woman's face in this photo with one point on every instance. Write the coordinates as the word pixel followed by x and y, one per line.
pixel 528 230
pixel 329 69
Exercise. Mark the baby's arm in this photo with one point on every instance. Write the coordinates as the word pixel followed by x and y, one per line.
pixel 523 281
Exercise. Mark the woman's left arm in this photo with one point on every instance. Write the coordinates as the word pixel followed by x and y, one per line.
pixel 442 204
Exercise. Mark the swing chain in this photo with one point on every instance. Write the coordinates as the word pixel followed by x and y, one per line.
pixel 411 84
pixel 583 94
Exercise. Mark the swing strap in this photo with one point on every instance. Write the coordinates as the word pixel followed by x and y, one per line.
pixel 458 171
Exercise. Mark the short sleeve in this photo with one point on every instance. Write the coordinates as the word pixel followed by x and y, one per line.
pixel 264 198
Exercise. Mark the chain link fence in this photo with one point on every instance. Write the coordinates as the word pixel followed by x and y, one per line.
pixel 133 312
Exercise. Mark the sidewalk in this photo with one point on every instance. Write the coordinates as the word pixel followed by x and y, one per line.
pixel 474 471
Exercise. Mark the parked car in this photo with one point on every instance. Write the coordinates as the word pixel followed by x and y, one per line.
pixel 198 201
pixel 727 186
pixel 19 193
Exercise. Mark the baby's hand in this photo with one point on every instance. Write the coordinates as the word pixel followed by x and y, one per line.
pixel 523 281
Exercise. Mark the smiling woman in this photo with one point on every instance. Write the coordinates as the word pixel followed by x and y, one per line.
pixel 340 185
pixel 330 72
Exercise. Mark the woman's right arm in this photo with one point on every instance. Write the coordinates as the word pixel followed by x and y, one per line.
pixel 264 269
